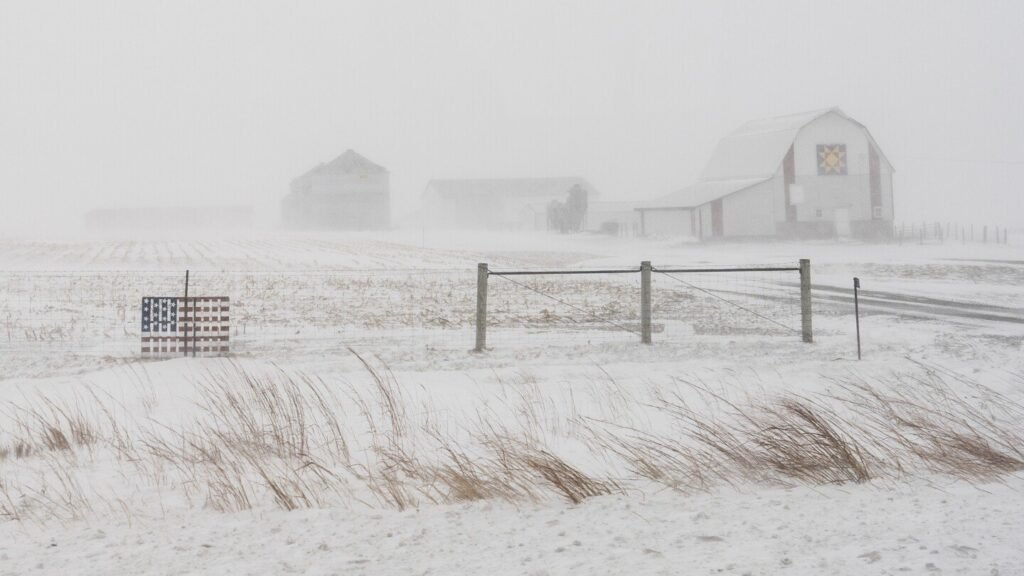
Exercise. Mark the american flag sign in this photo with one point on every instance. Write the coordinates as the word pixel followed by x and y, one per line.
pixel 175 326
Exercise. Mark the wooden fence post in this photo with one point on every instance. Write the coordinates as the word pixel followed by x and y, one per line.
pixel 805 300
pixel 482 273
pixel 645 302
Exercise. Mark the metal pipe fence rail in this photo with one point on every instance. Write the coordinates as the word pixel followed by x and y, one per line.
pixel 54 320
pixel 722 300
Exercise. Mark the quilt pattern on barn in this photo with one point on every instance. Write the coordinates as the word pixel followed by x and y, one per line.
pixel 831 159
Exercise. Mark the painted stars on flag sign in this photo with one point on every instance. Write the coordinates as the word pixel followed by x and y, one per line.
pixel 831 159
pixel 159 315
pixel 172 325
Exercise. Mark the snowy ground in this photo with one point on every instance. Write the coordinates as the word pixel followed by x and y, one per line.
pixel 106 507
pixel 950 529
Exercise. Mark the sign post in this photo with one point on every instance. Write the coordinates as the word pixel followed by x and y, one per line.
pixel 185 339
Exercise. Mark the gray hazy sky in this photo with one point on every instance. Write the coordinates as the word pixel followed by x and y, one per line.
pixel 136 102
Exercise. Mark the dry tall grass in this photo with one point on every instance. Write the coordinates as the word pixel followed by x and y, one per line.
pixel 924 419
pixel 862 433
pixel 287 439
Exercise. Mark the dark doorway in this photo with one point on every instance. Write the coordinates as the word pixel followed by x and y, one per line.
pixel 789 178
pixel 717 225
pixel 875 170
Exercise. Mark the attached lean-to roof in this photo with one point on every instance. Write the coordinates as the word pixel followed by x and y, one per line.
pixel 700 193
pixel 750 155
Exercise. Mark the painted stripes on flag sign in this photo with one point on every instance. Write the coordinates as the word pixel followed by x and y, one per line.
pixel 174 326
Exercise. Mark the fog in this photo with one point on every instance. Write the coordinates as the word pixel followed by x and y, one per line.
pixel 158 103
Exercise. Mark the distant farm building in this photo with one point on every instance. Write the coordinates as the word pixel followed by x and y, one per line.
pixel 614 218
pixel 347 193
pixel 555 204
pixel 815 174
pixel 158 218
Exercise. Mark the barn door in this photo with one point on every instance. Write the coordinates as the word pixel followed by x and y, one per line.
pixel 717 221
pixel 842 221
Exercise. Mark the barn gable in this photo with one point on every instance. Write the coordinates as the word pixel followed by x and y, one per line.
pixel 348 162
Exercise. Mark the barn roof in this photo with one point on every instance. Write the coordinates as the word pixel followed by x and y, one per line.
pixel 509 187
pixel 757 148
pixel 348 162
pixel 750 155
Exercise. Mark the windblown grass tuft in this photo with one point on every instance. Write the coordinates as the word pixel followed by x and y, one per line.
pixel 266 436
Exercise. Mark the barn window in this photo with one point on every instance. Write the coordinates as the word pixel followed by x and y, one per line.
pixel 831 159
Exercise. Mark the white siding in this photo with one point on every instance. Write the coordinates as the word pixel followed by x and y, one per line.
pixel 349 183
pixel 828 193
pixel 778 192
pixel 888 210
pixel 667 223
pixel 621 214
pixel 750 212
pixel 703 221
pixel 351 201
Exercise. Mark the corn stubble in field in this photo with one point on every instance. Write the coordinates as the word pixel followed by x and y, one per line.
pixel 295 441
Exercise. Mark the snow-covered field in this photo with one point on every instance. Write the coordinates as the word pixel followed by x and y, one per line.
pixel 352 431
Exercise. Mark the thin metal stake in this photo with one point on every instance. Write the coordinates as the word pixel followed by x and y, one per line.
pixel 856 311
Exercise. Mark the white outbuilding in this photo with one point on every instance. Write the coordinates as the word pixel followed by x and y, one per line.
pixel 814 174
pixel 347 193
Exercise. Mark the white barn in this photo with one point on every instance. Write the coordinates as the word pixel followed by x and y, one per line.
pixel 815 174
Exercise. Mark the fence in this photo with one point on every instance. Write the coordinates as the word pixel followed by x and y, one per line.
pixel 620 304
pixel 54 321
pixel 939 232
pixel 69 319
